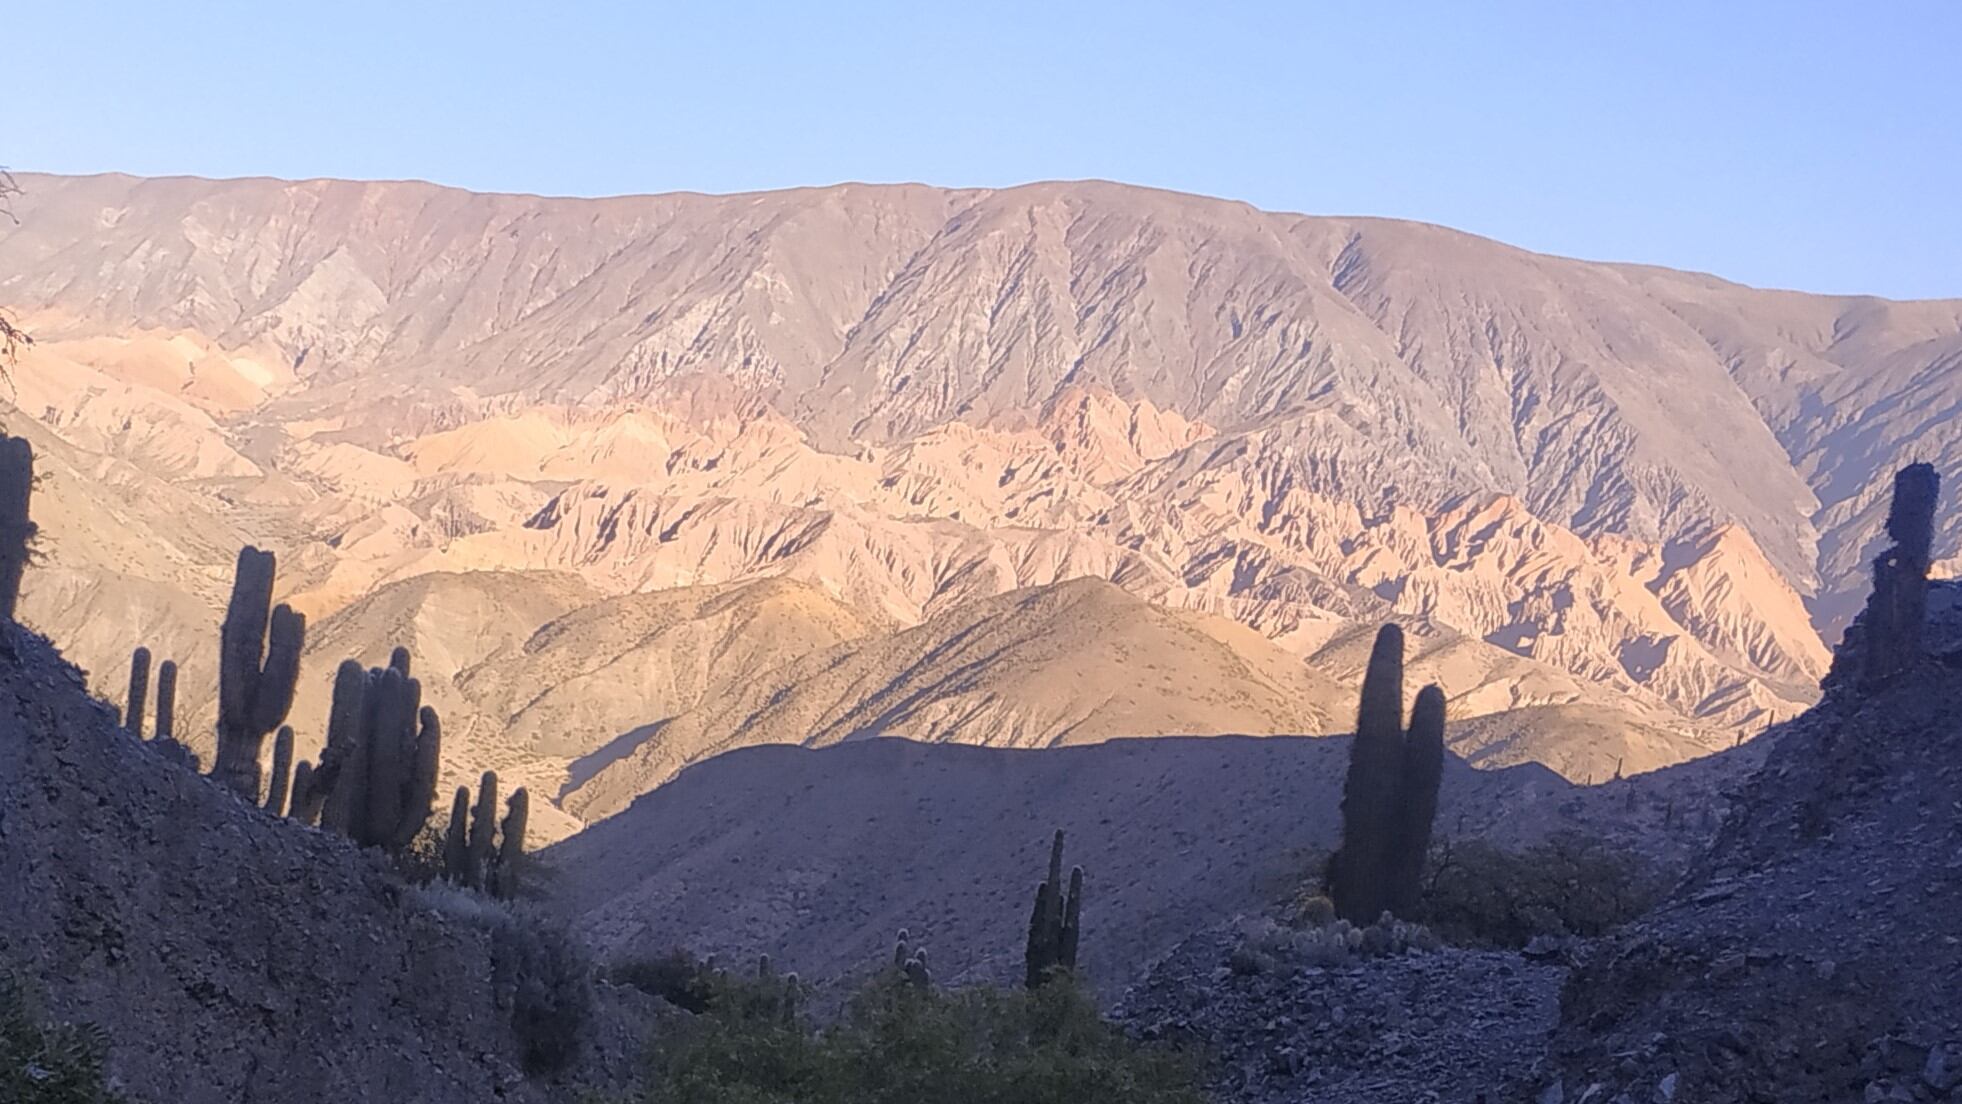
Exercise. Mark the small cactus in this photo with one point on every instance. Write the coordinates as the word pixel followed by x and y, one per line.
pixel 479 851
pixel 306 798
pixel 511 844
pixel 167 700
pixel 282 770
pixel 483 831
pixel 917 973
pixel 139 691
pixel 1055 923
pixel 793 994
pixel 456 840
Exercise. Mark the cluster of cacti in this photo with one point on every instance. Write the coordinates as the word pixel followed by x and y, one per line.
pixel 1326 940
pixel 165 742
pixel 376 779
pixel 16 527
pixel 1055 923
pixel 1389 798
pixel 479 851
pixel 911 961
pixel 1898 607
pixel 258 666
pixel 775 998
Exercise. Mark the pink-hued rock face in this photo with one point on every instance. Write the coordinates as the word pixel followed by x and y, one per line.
pixel 559 448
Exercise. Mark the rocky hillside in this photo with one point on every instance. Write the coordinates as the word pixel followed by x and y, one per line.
pixel 234 957
pixel 819 857
pixel 913 401
pixel 1809 955
pixel 1834 889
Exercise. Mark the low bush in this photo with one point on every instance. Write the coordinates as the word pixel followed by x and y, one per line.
pixel 539 974
pixel 677 977
pixel 1313 936
pixel 898 1042
pixel 546 981
pixel 1479 894
pixel 47 1063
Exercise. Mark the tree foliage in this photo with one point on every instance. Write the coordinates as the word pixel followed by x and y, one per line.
pixel 899 1043
pixel 47 1063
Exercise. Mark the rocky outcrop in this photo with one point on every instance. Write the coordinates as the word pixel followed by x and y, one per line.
pixel 1813 954
pixel 232 956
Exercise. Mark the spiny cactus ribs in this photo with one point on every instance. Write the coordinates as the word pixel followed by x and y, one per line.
pixel 1055 923
pixel 1389 798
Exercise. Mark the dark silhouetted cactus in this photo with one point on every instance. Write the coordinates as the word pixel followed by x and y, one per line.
pixel 384 749
pixel 345 753
pixel 1054 923
pixel 167 700
pixel 1423 769
pixel 1389 797
pixel 306 798
pixel 917 973
pixel 139 692
pixel 282 770
pixel 1898 608
pixel 259 664
pixel 511 845
pixel 165 742
pixel 456 839
pixel 483 832
pixel 478 851
pixel 16 526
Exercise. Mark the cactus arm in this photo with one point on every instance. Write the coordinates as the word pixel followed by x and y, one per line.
pixel 419 794
pixel 512 846
pixel 272 691
pixel 1072 922
pixel 282 768
pixel 1422 770
pixel 456 841
pixel 483 831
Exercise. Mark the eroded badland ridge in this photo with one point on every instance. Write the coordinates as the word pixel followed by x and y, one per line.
pixel 645 479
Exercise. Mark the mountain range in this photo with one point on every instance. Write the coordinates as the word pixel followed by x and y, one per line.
pixel 647 479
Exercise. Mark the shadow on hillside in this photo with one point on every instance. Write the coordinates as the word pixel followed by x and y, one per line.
pixel 819 856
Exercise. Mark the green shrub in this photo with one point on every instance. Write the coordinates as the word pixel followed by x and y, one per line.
pixel 545 980
pixel 47 1063
pixel 900 1043
pixel 1480 894
pixel 677 977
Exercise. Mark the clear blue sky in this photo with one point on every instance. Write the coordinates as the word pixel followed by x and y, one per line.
pixel 1795 144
